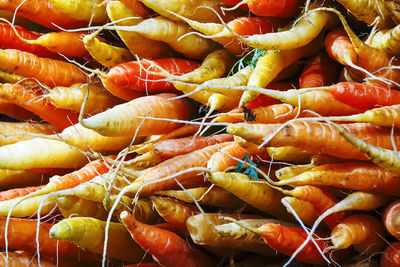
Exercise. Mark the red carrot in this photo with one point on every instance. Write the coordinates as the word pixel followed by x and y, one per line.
pixel 320 70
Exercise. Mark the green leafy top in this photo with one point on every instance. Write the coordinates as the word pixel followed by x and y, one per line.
pixel 250 171
pixel 250 59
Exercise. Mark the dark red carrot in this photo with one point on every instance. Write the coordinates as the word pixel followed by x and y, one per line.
pixel 271 8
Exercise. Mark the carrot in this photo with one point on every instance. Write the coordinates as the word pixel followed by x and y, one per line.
pixel 320 199
pixel 48 71
pixel 202 229
pixel 386 40
pixel 88 233
pixel 9 40
pixel 40 153
pixel 18 192
pixel 120 91
pixel 356 176
pixel 26 259
pixel 121 121
pixel 314 137
pixel 41 12
pixel 107 55
pixel 303 209
pixel 9 77
pixel 191 10
pixel 18 20
pixel 308 27
pixel 256 193
pixel 320 70
pixel 84 10
pixel 72 98
pixel 48 246
pixel 169 31
pixel 33 101
pixel 390 256
pixel 391 219
pixel 355 201
pixel 71 206
pixel 214 196
pixel 16 112
pixel 19 178
pixel 173 147
pixel 285 240
pixel 263 100
pixel 137 44
pixel 339 47
pixel 365 232
pixel 287 154
pixel 173 211
pixel 138 8
pixel 185 130
pixel 8 128
pixel 271 64
pixel 141 75
pixel 167 248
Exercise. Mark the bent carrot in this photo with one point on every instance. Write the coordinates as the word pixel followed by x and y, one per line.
pixel 365 232
pixel 391 219
pixel 166 247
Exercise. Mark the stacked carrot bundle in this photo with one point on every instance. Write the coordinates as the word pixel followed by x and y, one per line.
pixel 107 160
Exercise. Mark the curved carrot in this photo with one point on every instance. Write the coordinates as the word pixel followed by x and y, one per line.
pixel 320 70
pixel 391 219
pixel 35 102
pixel 48 71
pixel 166 247
pixel 42 12
pixel 391 255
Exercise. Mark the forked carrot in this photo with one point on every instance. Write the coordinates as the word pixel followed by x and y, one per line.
pixel 167 248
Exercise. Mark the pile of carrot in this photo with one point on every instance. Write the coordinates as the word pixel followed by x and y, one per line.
pixel 199 133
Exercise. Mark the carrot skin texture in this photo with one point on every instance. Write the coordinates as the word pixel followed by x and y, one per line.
pixel 175 147
pixel 33 101
pixel 286 240
pixel 166 247
pixel 136 75
pixel 18 192
pixel 391 219
pixel 51 72
pixel 319 71
pixel 282 9
pixel 391 255
pixel 339 47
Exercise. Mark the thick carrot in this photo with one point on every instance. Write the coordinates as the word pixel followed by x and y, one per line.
pixel 137 44
pixel 365 232
pixel 391 219
pixel 121 120
pixel 18 192
pixel 214 196
pixel 33 101
pixel 286 240
pixel 167 248
pixel 48 71
pixel 9 40
pixel 88 233
pixel 9 128
pixel 320 70
pixel 41 12
pixel 391 255
pixel 339 47
pixel 48 246
pixel 315 137
pixel 220 161
pixel 140 75
pixel 174 147
pixel 120 91
pixel 173 211
pixel 356 176
pixel 386 40
pixel 73 97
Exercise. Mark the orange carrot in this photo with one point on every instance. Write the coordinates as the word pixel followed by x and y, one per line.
pixel 339 47
pixel 391 219
pixel 269 8
pixel 33 101
pixel 391 255
pixel 220 162
pixel 174 147
pixel 18 192
pixel 16 112
pixel 320 70
pixel 48 246
pixel 167 248
pixel 48 71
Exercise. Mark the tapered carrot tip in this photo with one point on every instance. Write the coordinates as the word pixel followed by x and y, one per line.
pixel 391 219
pixel 61 231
